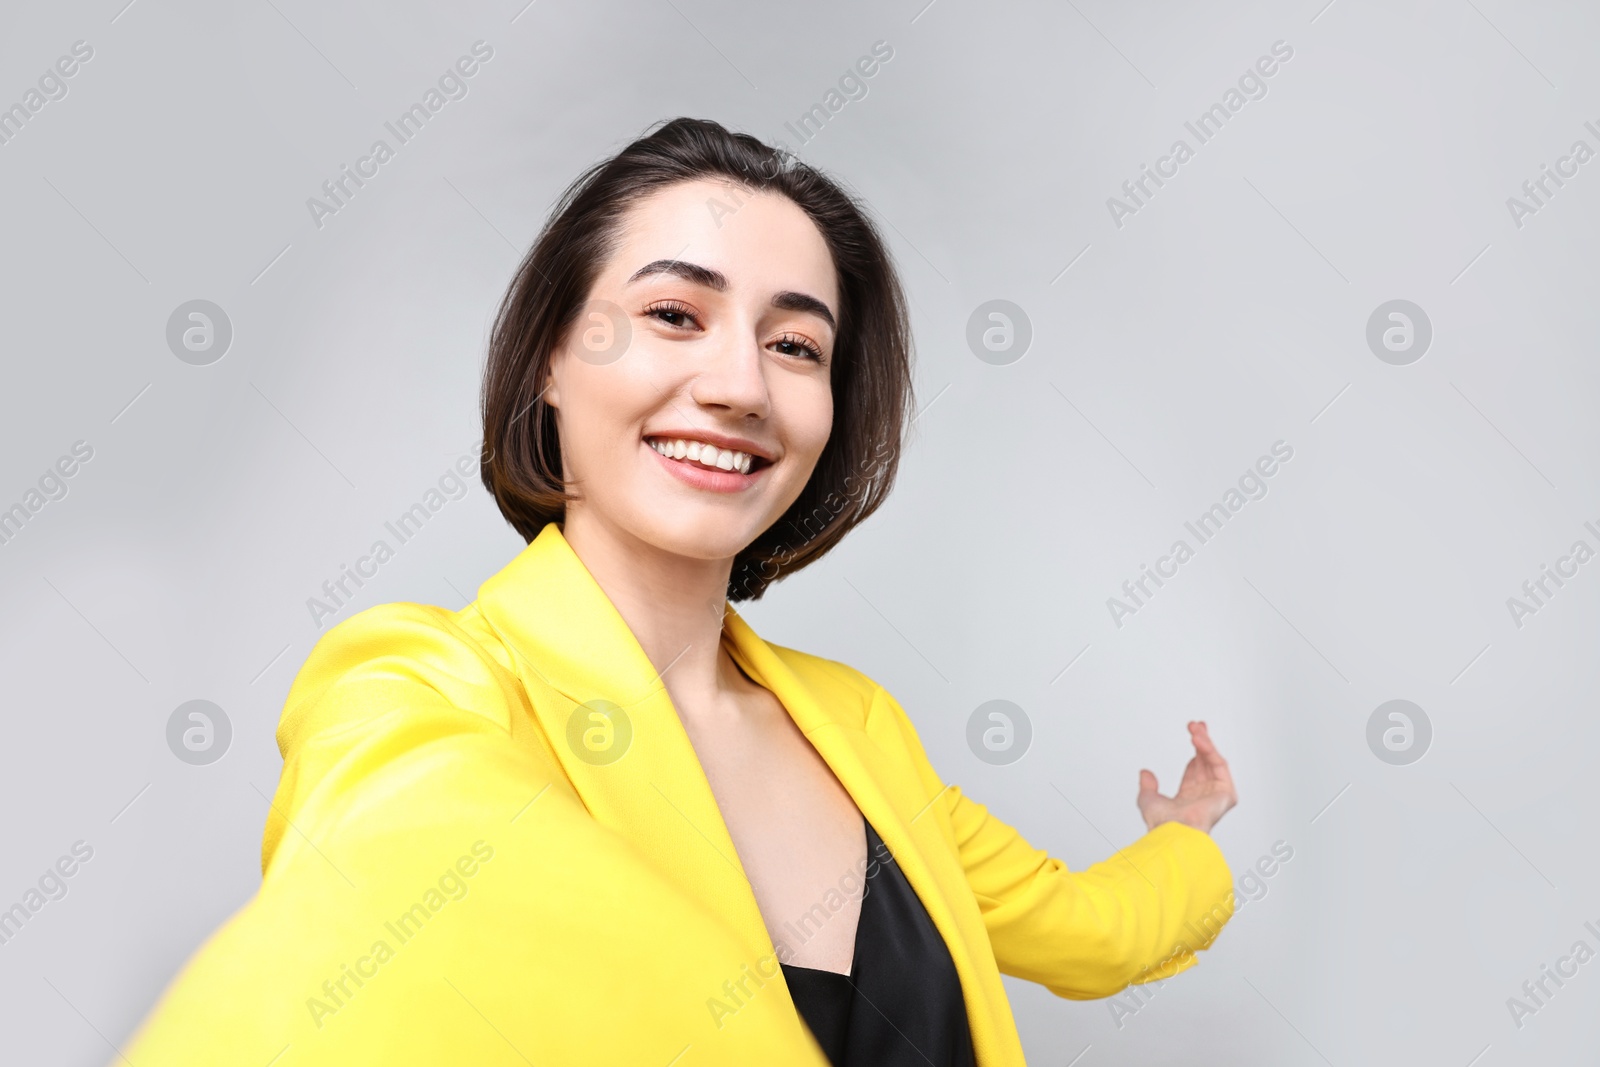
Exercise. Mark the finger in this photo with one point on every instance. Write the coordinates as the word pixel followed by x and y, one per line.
pixel 1205 746
pixel 1195 773
pixel 1210 768
pixel 1148 797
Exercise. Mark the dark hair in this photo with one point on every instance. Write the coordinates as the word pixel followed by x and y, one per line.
pixel 871 373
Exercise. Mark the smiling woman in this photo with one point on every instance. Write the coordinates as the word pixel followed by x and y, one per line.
pixel 839 335
pixel 673 802
pixel 726 368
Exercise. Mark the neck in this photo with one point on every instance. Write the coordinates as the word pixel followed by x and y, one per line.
pixel 673 604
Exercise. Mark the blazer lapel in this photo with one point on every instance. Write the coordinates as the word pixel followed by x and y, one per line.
pixel 572 648
pixel 575 656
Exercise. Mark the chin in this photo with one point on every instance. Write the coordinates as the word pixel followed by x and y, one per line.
pixel 696 532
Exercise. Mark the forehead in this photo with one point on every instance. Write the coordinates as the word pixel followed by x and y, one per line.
pixel 763 242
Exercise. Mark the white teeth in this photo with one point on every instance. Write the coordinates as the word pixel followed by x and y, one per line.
pixel 704 454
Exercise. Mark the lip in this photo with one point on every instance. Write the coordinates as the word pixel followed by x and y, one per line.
pixel 707 478
pixel 721 440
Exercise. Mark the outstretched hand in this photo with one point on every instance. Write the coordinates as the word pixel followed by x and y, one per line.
pixel 1203 796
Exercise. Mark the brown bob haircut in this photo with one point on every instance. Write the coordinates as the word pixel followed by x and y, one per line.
pixel 871 369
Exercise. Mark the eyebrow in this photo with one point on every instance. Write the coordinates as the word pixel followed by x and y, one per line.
pixel 787 300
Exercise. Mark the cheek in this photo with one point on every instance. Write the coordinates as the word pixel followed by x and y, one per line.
pixel 812 422
pixel 596 405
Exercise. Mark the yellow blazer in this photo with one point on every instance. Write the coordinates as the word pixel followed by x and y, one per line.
pixel 454 873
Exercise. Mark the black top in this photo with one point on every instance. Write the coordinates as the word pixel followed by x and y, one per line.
pixel 901 1002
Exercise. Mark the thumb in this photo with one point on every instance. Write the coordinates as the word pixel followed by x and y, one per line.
pixel 1147 787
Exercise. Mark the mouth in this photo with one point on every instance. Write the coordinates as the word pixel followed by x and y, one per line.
pixel 705 456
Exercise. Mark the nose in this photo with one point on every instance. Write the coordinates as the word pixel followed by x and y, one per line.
pixel 732 379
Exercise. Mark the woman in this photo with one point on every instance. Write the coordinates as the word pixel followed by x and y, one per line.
pixel 592 817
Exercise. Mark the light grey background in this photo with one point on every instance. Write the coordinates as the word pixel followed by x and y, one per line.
pixel 1168 354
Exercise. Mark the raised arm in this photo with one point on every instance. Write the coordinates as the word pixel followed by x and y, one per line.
pixel 434 892
pixel 1137 916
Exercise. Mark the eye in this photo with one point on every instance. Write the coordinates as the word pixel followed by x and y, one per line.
pixel 672 313
pixel 799 347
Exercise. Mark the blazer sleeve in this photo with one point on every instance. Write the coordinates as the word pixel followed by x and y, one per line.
pixel 1136 917
pixel 435 892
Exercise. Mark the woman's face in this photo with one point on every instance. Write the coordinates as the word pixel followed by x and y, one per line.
pixel 693 393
